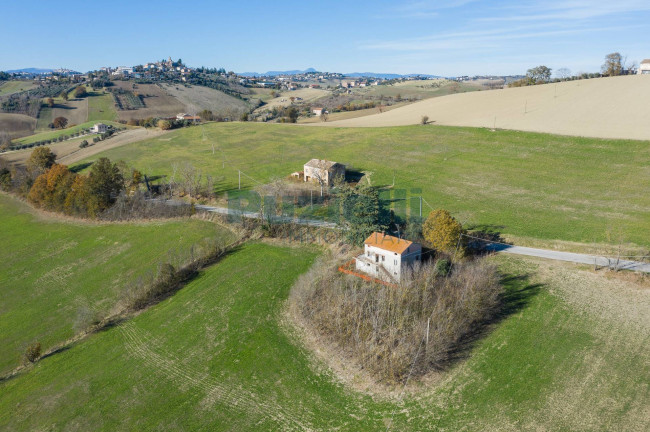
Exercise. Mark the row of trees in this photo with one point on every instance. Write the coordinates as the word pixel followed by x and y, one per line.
pixel 615 64
pixel 54 187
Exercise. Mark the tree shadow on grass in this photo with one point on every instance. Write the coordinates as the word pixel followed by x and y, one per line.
pixel 517 295
pixel 80 167
pixel 483 236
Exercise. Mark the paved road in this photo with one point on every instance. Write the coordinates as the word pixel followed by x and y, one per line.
pixel 600 261
pixel 573 257
pixel 257 215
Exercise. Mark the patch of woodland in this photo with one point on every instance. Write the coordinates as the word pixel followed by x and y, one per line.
pixel 402 332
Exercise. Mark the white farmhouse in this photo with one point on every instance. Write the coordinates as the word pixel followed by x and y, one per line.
pixel 323 171
pixel 99 128
pixel 386 257
pixel 644 67
pixel 317 111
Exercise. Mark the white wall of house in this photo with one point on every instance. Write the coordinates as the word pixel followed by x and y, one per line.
pixel 380 263
pixel 99 128
pixel 644 68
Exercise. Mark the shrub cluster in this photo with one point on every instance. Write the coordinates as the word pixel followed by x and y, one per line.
pixel 384 328
pixel 171 273
pixel 62 190
pixel 137 206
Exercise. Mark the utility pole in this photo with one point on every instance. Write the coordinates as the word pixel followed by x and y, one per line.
pixel 420 206
pixel 239 179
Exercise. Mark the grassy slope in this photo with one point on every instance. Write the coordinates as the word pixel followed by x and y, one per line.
pixel 101 106
pixel 213 358
pixel 53 270
pixel 51 134
pixel 44 119
pixel 10 87
pixel 422 89
pixel 17 125
pixel 197 98
pixel 521 183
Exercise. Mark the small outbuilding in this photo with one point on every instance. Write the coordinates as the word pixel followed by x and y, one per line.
pixel 317 111
pixel 385 257
pixel 99 128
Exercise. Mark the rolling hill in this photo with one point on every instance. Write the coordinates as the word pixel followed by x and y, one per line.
pixel 519 183
pixel 603 108
pixel 17 125
pixel 220 355
pixel 55 271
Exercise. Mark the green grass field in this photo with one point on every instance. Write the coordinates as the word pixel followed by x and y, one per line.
pixel 44 119
pixel 101 106
pixel 55 133
pixel 15 86
pixel 53 272
pixel 421 89
pixel 520 183
pixel 214 357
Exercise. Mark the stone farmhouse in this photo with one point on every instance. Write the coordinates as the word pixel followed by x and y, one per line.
pixel 386 257
pixel 323 171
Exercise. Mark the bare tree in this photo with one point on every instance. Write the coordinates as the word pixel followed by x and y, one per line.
pixel 563 73
pixel 613 65
pixel 5 140
pixel 320 177
pixel 323 116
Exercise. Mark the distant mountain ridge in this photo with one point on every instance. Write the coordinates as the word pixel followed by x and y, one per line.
pixel 31 71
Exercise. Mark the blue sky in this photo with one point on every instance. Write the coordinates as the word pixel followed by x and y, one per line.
pixel 443 37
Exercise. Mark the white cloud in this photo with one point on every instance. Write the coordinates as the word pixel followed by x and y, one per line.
pixel 481 39
pixel 424 9
pixel 570 10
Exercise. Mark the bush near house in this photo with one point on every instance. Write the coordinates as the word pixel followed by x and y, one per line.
pixel 398 331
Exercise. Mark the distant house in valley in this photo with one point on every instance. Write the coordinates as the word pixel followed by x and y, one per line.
pixel 386 257
pixel 99 128
pixel 317 111
pixel 323 171
pixel 644 67
pixel 183 116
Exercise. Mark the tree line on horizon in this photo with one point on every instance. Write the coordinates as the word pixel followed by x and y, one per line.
pixel 614 65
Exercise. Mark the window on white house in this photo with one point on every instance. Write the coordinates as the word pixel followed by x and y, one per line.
pixel 395 262
pixel 383 258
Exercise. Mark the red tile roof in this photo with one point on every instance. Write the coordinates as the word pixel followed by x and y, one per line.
pixel 388 242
